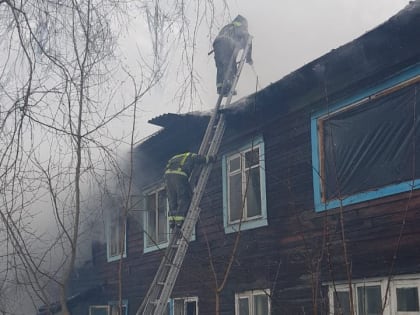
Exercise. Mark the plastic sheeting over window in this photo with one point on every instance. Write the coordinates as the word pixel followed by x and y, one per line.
pixel 371 145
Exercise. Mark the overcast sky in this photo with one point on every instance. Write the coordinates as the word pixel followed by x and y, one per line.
pixel 287 35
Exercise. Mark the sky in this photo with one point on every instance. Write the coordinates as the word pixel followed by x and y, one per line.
pixel 287 34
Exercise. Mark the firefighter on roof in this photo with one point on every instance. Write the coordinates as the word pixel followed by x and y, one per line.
pixel 231 39
pixel 177 173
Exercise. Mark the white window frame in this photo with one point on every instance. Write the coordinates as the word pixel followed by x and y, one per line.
pixel 400 281
pixel 124 304
pixel 245 223
pixel 99 307
pixel 186 300
pixel 250 296
pixel 108 308
pixel 146 247
pixel 404 283
pixel 115 229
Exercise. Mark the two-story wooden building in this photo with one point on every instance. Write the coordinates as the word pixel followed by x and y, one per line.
pixel 313 204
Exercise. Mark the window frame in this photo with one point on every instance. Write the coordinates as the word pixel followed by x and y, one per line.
pixel 250 296
pixel 124 303
pixel 106 307
pixel 408 77
pixel 185 299
pixel 404 283
pixel 110 219
pixel 146 249
pixel 400 281
pixel 251 222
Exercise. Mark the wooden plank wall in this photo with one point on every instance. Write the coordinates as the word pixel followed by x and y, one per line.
pixel 299 249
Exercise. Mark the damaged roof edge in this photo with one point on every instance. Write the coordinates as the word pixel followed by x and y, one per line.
pixel 168 119
pixel 384 50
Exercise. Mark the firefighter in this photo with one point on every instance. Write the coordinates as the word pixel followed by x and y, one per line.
pixel 231 39
pixel 177 173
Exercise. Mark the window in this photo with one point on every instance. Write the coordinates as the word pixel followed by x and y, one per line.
pixel 366 147
pixel 116 237
pixel 99 310
pixel 111 309
pixel 156 220
pixel 115 308
pixel 183 306
pixel 406 296
pixel 369 297
pixel 253 303
pixel 244 200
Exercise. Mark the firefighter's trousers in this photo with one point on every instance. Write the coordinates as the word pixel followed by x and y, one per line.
pixel 179 194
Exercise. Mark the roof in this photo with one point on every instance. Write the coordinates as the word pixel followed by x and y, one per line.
pixel 181 133
pixel 170 119
pixel 374 56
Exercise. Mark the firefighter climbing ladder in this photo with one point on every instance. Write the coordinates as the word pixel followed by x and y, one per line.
pixel 156 299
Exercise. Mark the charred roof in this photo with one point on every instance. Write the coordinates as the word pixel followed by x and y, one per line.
pixel 367 60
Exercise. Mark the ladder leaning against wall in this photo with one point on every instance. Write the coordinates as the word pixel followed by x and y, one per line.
pixel 156 300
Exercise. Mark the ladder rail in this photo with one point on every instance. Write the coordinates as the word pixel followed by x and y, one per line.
pixel 156 299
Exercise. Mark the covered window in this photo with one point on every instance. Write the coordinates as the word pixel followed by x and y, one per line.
pixel 367 148
pixel 253 303
pixel 156 219
pixel 244 187
pixel 116 236
pixel 369 296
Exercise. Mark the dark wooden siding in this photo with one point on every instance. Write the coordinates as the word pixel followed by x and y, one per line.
pixel 299 249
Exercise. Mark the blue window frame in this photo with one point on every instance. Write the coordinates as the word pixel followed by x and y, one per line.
pixel 365 147
pixel 244 195
pixel 116 237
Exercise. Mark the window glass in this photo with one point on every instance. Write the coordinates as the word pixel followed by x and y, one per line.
pixel 151 220
pixel 253 193
pixel 98 310
pixel 407 299
pixel 235 197
pixel 116 311
pixel 185 306
pixel 191 308
pixel 341 303
pixel 243 306
pixel 234 164
pixel 260 304
pixel 157 218
pixel 369 300
pixel 162 216
pixel 116 236
pixel 178 307
pixel 252 158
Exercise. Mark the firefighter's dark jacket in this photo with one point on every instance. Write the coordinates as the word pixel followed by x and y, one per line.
pixel 183 164
pixel 237 33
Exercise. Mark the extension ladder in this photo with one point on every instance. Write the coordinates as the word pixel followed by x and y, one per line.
pixel 156 299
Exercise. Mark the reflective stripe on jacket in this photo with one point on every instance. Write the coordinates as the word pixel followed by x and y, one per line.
pixel 183 164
